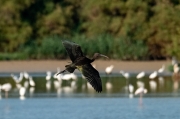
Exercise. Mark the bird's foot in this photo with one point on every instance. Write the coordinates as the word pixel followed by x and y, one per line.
pixel 61 72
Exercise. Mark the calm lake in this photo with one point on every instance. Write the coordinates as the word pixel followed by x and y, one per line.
pixel 75 99
pixel 90 108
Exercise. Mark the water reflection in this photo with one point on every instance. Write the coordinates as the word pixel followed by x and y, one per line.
pixel 111 86
pixel 161 81
pixel 176 80
pixel 153 85
pixel 31 91
pixel 48 86
pixel 22 92
pixel 131 91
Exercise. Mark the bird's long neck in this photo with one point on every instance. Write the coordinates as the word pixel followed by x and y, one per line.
pixel 94 57
pixel 92 60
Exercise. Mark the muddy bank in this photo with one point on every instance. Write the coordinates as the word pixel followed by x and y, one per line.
pixel 45 65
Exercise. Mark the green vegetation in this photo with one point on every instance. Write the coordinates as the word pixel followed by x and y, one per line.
pixel 121 29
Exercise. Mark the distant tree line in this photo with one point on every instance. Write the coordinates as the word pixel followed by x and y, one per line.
pixel 123 29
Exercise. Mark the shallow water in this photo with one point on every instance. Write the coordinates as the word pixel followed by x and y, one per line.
pixel 90 108
pixel 112 87
pixel 79 101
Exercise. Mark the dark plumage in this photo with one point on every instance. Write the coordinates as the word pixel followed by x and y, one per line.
pixel 83 64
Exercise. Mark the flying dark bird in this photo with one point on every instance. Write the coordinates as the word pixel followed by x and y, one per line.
pixel 83 64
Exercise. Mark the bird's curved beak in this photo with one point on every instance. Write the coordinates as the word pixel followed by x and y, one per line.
pixel 104 56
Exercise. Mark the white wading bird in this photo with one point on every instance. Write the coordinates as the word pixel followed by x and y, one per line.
pixel 140 91
pixel 176 68
pixel 161 70
pixel 109 69
pixel 6 87
pixel 125 74
pixel 58 77
pixel 140 75
pixel 48 76
pixel 153 75
pixel 31 81
pixel 152 83
pixel 17 79
pixel 26 75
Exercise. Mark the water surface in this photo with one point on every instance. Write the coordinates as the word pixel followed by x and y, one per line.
pixel 75 99
pixel 112 87
pixel 90 108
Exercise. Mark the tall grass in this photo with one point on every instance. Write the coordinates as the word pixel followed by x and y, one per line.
pixel 51 47
pixel 101 44
pixel 116 48
pixel 13 56
pixel 129 49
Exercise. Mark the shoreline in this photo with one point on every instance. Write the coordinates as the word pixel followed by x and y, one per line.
pixel 51 65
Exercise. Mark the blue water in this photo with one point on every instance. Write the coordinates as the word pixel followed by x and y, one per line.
pixel 90 108
pixel 82 102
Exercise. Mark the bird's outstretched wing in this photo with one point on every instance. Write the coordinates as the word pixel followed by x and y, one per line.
pixel 74 50
pixel 92 75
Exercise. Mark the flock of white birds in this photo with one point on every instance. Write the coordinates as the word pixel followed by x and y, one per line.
pixel 30 84
pixel 140 84
pixel 141 89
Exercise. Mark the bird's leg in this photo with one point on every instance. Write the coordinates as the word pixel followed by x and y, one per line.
pixel 62 72
pixel 6 94
pixel 140 99
pixel 0 93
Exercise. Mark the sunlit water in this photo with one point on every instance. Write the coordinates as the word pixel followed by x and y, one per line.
pixel 79 101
